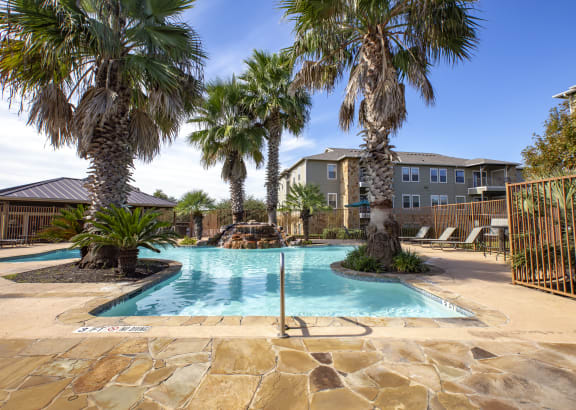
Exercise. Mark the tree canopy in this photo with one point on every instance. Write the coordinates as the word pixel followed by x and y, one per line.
pixel 555 150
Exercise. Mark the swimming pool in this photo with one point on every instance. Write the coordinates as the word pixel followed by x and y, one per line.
pixel 226 282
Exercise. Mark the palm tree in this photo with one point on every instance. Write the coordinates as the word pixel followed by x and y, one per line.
pixel 127 230
pixel 113 78
pixel 228 134
pixel 380 45
pixel 306 199
pixel 268 80
pixel 195 203
pixel 65 226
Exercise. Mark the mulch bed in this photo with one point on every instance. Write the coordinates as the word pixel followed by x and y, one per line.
pixel 70 273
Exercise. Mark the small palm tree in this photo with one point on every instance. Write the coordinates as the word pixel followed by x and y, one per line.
pixel 114 78
pixel 127 231
pixel 379 46
pixel 65 226
pixel 195 203
pixel 228 134
pixel 268 81
pixel 306 199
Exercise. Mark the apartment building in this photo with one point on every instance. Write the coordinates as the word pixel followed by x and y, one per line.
pixel 420 179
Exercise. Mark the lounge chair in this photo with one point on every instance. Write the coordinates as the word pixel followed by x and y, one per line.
pixel 448 232
pixel 421 234
pixel 470 240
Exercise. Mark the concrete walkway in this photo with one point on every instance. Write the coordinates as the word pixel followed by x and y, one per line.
pixel 525 361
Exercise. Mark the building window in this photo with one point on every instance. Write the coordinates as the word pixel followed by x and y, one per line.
pixel 410 174
pixel 298 177
pixel 460 199
pixel 438 200
pixel 405 174
pixel 410 201
pixel 333 200
pixel 406 201
pixel 332 171
pixel 443 175
pixel 460 178
pixel 438 175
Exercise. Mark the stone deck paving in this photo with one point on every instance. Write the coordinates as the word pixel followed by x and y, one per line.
pixel 295 373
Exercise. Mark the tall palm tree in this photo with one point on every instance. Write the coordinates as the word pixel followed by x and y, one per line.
pixel 380 45
pixel 268 80
pixel 195 203
pixel 306 199
pixel 228 134
pixel 112 77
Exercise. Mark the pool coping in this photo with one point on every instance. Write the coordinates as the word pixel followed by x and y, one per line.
pixel 85 316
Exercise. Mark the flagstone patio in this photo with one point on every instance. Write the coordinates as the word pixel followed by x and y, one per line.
pixel 264 373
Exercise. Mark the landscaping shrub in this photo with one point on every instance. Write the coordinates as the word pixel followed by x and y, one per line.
pixel 188 241
pixel 360 261
pixel 329 233
pixel 409 262
pixel 341 234
pixel 405 261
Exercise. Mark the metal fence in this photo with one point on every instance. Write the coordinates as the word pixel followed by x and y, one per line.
pixel 542 230
pixel 23 223
pixel 464 217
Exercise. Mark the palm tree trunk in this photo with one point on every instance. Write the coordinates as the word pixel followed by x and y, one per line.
pixel 198 219
pixel 305 216
pixel 272 168
pixel 237 199
pixel 382 111
pixel 111 157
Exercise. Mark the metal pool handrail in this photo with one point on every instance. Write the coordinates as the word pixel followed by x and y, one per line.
pixel 282 324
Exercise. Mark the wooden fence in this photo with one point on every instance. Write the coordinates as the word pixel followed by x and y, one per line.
pixel 542 231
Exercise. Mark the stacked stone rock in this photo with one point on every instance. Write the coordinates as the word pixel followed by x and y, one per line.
pixel 251 236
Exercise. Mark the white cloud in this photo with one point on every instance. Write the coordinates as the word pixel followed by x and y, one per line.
pixel 292 143
pixel 26 157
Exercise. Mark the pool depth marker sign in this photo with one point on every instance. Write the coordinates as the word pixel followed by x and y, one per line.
pixel 113 329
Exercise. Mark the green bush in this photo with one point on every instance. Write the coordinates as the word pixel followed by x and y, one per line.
pixel 409 262
pixel 329 233
pixel 341 233
pixel 358 260
pixel 188 241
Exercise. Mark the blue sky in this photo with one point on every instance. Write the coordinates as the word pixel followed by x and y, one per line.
pixel 487 107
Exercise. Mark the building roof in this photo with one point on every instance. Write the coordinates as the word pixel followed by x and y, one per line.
pixel 411 158
pixel 72 190
pixel 567 93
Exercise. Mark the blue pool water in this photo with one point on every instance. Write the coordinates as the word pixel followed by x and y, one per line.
pixel 48 256
pixel 229 282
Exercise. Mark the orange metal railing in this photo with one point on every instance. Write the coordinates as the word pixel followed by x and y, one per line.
pixel 542 231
